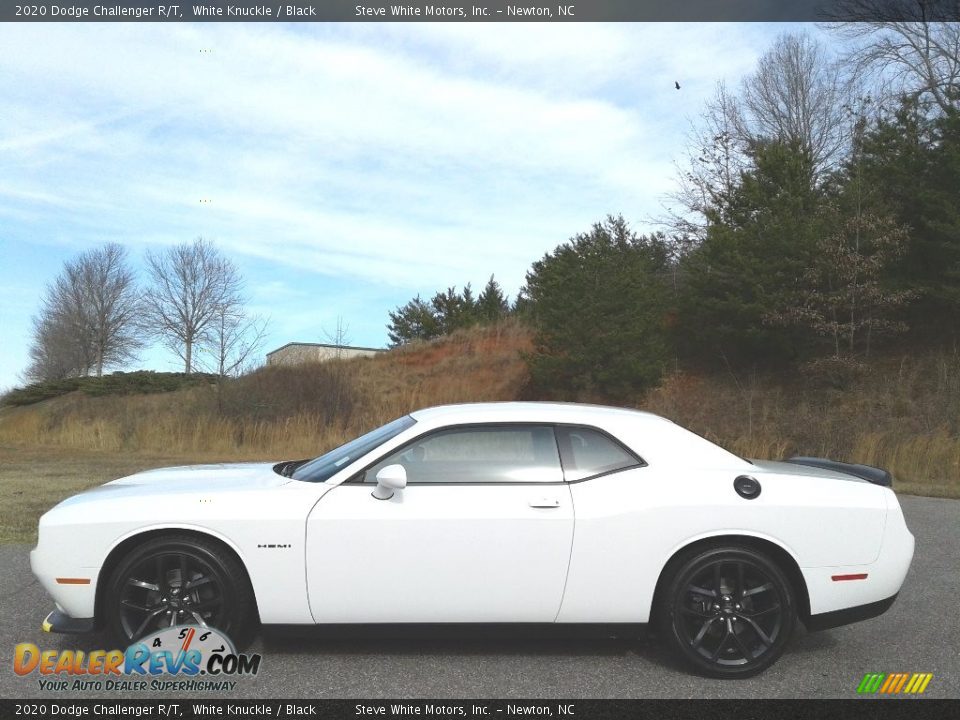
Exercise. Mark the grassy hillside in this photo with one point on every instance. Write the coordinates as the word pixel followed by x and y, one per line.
pixel 279 412
pixel 903 414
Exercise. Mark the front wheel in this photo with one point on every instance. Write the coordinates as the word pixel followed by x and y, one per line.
pixel 179 580
pixel 728 611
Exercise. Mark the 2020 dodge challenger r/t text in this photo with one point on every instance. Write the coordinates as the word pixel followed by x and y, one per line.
pixel 490 513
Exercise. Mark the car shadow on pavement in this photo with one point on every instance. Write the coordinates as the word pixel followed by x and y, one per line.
pixel 443 639
pixel 500 640
pixel 466 641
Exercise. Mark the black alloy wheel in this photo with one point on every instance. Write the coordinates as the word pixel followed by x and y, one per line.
pixel 179 580
pixel 730 612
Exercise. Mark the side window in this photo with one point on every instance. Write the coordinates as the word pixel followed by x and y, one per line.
pixel 492 454
pixel 587 452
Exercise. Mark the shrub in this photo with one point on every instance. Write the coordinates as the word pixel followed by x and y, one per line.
pixel 142 382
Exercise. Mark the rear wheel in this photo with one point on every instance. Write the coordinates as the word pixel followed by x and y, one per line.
pixel 728 611
pixel 179 580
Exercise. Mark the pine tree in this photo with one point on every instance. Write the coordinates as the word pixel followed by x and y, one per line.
pixel 911 171
pixel 752 262
pixel 598 303
pixel 413 321
pixel 492 304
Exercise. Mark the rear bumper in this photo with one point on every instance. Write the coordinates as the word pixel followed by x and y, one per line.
pixel 60 622
pixel 846 616
pixel 841 591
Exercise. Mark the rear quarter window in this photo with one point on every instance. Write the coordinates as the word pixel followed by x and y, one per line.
pixel 587 452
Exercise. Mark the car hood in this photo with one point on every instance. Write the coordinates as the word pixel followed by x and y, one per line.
pixel 203 479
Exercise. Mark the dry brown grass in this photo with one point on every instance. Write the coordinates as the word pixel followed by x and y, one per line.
pixel 921 464
pixel 129 427
pixel 903 415
pixel 33 480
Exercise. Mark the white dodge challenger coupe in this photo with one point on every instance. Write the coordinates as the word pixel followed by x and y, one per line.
pixel 490 513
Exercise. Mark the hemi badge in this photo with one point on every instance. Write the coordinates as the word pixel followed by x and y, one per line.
pixel 73 581
pixel 855 576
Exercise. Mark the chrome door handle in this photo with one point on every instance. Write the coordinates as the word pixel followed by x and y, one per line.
pixel 545 502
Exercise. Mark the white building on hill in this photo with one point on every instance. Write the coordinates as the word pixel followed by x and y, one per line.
pixel 297 353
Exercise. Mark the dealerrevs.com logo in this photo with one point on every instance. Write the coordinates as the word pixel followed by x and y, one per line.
pixel 184 657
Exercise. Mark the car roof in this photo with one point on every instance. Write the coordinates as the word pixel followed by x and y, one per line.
pixel 530 412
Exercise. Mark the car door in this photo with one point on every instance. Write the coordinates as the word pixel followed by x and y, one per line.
pixel 481 533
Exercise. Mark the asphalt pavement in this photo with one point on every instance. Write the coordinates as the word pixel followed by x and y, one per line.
pixel 920 633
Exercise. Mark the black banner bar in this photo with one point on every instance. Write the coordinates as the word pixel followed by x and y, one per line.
pixel 893 709
pixel 476 11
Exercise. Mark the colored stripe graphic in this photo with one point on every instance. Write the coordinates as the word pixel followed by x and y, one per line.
pixel 923 679
pixel 871 682
pixel 894 683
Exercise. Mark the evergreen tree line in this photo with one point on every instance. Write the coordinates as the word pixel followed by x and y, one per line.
pixel 447 311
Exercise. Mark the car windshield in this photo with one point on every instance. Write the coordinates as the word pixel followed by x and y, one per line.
pixel 324 467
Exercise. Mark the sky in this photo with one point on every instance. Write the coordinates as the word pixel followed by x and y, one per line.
pixel 344 168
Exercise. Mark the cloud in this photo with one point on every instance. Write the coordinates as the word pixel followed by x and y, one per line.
pixel 406 157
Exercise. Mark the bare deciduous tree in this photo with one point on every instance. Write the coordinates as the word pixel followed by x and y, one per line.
pixel 710 172
pixel 233 339
pixel 796 96
pixel 845 299
pixel 54 354
pixel 906 46
pixel 90 317
pixel 192 284
pixel 340 335
pixel 114 304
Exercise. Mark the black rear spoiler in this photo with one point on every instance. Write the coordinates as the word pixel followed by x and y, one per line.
pixel 875 475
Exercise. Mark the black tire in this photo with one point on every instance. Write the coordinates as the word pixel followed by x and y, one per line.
pixel 146 593
pixel 728 611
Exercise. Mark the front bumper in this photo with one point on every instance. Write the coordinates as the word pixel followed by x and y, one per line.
pixel 60 622
pixel 71 585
